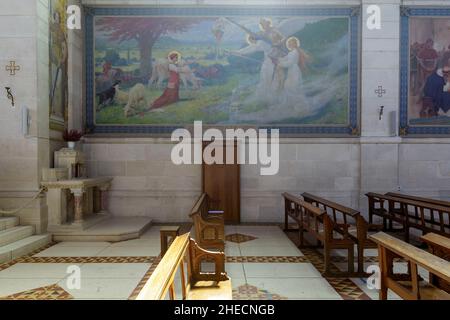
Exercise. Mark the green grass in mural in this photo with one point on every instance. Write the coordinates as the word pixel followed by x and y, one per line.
pixel 193 105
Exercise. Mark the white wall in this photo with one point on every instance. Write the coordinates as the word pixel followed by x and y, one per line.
pixel 23 29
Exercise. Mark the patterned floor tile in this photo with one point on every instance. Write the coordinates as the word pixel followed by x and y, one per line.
pixel 80 260
pixel 53 292
pixel 249 292
pixel 239 238
pixel 144 279
pixel 21 259
pixel 266 259
pixel 346 288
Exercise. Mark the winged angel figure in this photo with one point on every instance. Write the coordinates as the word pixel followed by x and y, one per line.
pixel 284 61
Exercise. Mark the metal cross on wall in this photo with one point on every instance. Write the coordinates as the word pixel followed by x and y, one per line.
pixel 380 91
pixel 12 68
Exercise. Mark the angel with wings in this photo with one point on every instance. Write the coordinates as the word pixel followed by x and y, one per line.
pixel 284 60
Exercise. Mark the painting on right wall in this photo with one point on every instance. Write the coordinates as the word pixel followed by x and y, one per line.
pixel 425 71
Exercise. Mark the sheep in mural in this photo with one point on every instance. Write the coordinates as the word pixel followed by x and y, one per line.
pixel 160 73
pixel 136 95
pixel 121 96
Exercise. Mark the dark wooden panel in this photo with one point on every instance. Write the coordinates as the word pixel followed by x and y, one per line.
pixel 222 183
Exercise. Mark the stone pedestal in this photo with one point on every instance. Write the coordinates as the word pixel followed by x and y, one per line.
pixel 69 158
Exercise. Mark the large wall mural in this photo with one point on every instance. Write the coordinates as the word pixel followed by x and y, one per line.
pixel 153 69
pixel 425 80
pixel 58 79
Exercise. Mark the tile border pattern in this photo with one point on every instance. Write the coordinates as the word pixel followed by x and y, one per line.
pixel 51 292
pixel 144 279
pixel 267 259
pixel 345 287
pixel 249 292
pixel 80 260
pixel 8 264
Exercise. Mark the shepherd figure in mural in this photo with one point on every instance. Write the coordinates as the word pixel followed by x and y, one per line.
pixel 171 93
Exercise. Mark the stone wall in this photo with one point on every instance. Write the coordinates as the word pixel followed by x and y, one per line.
pixel 22 39
pixel 342 169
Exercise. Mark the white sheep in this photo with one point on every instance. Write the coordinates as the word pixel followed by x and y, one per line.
pixel 136 95
pixel 121 97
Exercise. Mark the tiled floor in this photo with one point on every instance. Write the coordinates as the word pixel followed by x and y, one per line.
pixel 262 261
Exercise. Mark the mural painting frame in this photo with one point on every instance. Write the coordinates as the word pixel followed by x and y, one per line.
pixel 351 128
pixel 405 128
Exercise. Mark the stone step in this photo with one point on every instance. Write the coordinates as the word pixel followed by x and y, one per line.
pixel 8 222
pixel 24 246
pixel 13 234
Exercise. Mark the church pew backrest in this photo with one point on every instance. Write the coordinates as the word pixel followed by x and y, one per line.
pixel 318 224
pixel 420 199
pixel 390 247
pixel 439 246
pixel 427 217
pixel 339 213
pixel 348 216
pixel 186 256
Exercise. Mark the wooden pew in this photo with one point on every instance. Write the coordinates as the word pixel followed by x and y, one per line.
pixel 420 199
pixel 438 246
pixel 358 227
pixel 195 284
pixel 318 224
pixel 408 213
pixel 412 289
pixel 209 227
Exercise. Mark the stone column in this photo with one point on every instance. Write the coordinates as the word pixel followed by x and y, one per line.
pixel 97 200
pixel 78 204
pixel 103 198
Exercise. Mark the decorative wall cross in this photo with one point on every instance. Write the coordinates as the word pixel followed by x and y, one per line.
pixel 12 68
pixel 380 91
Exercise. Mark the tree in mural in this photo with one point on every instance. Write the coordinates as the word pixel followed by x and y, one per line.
pixel 146 31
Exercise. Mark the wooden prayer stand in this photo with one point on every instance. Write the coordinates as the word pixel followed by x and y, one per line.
pixel 209 227
pixel 195 284
pixel 165 233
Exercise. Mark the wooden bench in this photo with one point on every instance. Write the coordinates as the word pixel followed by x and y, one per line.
pixel 420 199
pixel 426 217
pixel 352 220
pixel 195 284
pixel 318 224
pixel 438 246
pixel 208 224
pixel 411 289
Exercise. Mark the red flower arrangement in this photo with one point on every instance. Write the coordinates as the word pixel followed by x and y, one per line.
pixel 72 135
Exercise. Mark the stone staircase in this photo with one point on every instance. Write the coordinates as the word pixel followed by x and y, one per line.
pixel 16 240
